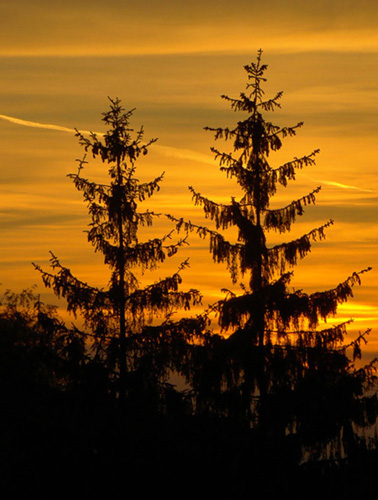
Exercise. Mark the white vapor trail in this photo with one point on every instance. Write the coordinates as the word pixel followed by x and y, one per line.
pixel 186 154
pixel 340 185
pixel 166 150
pixel 26 123
pixel 346 186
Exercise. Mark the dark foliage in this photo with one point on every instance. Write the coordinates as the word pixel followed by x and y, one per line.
pixel 37 351
pixel 273 368
pixel 122 322
pixel 274 401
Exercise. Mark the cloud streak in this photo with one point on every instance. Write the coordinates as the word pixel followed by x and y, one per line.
pixel 340 185
pixel 297 26
pixel 46 126
pixel 186 154
pixel 346 186
pixel 165 150
pixel 26 123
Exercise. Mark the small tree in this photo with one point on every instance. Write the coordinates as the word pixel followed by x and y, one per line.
pixel 273 368
pixel 120 321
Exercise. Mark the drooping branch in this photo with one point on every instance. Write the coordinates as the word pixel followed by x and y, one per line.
pixel 79 295
pixel 356 344
pixel 287 171
pixel 291 310
pixel 147 189
pixel 281 219
pixel 274 131
pixel 147 254
pixel 287 254
pixel 221 249
pixel 249 104
pixel 271 104
pixel 327 338
pixel 159 298
pixel 223 215
pixel 226 158
pixel 91 190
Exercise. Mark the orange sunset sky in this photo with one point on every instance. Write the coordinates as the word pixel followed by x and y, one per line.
pixel 171 60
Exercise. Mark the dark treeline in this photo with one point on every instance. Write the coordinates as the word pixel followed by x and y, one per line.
pixel 270 403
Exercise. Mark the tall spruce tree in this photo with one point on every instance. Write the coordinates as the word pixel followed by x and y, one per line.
pixel 273 367
pixel 120 321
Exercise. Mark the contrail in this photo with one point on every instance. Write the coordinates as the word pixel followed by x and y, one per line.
pixel 340 185
pixel 186 154
pixel 26 123
pixel 346 186
pixel 166 150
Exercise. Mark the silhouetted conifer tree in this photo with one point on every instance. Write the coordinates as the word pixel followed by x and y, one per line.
pixel 120 321
pixel 272 367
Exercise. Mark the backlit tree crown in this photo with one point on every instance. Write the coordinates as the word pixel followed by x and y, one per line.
pixel 118 317
pixel 276 369
pixel 266 302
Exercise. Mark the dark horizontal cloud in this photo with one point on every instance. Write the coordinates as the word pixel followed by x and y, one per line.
pixel 172 26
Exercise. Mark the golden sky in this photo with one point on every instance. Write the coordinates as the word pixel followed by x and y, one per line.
pixel 172 60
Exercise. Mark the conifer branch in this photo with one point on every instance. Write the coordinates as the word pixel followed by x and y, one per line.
pixel 161 296
pixel 292 309
pixel 223 215
pixel 285 254
pixel 147 189
pixel 281 219
pixel 226 159
pixel 287 171
pixel 271 104
pixel 79 295
pixel 274 131
pixel 90 189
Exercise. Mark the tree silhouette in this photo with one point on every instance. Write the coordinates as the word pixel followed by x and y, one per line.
pixel 38 351
pixel 120 321
pixel 272 367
